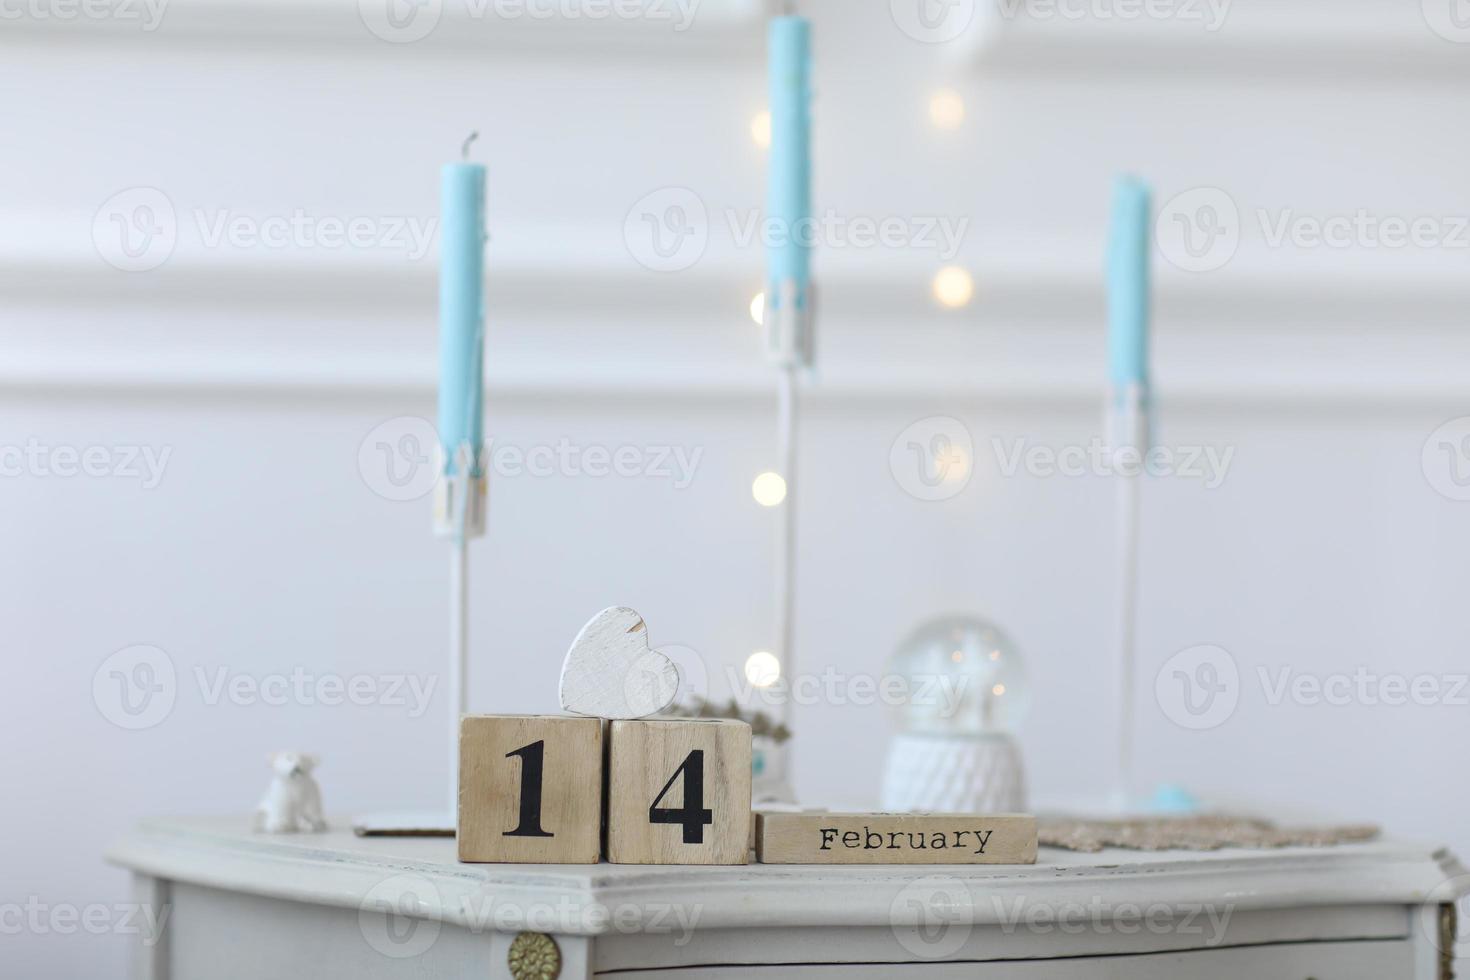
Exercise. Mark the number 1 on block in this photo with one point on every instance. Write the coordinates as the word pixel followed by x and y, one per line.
pixel 530 789
pixel 533 773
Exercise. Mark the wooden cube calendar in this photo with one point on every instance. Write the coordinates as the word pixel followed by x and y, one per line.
pixel 530 789
pixel 678 792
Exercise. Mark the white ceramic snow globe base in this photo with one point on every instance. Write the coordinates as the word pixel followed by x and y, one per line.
pixel 965 691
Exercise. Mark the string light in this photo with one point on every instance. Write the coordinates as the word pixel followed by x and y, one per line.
pixel 758 309
pixel 760 129
pixel 946 109
pixel 953 287
pixel 952 464
pixel 762 669
pixel 769 489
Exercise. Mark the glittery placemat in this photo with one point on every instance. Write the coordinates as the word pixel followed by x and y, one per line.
pixel 1202 833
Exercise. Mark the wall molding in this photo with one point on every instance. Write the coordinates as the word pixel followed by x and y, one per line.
pixel 1299 40
pixel 407 392
pixel 603 330
pixel 1061 284
pixel 1013 37
pixel 434 28
pixel 574 316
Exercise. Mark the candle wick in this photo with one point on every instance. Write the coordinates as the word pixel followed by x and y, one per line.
pixel 464 150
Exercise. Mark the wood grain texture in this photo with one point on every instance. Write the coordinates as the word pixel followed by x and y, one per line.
pixel 494 753
pixel 894 838
pixel 610 671
pixel 653 765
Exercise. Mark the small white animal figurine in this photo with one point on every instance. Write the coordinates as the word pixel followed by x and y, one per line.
pixel 610 672
pixel 293 803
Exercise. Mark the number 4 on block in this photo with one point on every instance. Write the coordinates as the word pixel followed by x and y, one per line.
pixel 678 792
pixel 530 789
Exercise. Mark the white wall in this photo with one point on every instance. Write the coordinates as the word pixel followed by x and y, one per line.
pixel 261 371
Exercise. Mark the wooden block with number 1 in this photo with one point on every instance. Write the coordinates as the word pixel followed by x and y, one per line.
pixel 530 789
pixel 678 792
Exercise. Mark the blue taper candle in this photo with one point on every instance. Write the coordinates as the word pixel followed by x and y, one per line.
pixel 1128 285
pixel 1128 343
pixel 462 310
pixel 789 183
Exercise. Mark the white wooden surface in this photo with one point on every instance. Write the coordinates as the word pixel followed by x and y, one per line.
pixel 335 905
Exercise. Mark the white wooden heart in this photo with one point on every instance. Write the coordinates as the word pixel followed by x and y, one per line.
pixel 610 671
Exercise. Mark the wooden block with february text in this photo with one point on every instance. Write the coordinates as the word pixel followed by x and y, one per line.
pixel 678 792
pixel 895 838
pixel 530 789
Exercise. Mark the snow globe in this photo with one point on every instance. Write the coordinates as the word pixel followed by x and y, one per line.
pixel 963 694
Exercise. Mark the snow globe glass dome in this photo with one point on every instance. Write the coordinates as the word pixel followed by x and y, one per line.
pixel 962 675
pixel 965 691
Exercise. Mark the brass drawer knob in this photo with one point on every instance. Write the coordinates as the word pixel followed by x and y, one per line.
pixel 534 956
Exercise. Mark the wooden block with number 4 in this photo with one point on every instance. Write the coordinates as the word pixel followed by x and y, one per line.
pixel 530 789
pixel 678 792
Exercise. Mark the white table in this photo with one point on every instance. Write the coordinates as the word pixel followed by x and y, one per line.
pixel 243 905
